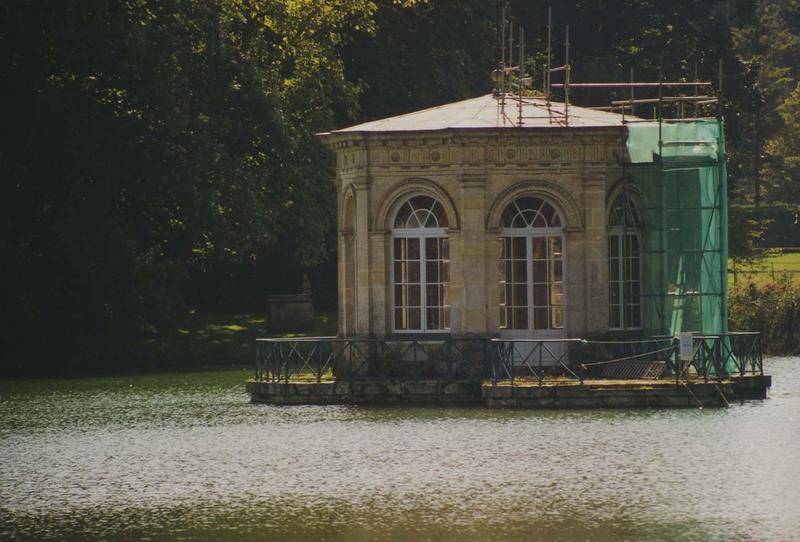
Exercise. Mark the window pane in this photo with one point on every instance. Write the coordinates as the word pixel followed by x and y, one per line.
pixel 519 250
pixel 432 248
pixel 520 271
pixel 399 321
pixel 444 269
pixel 615 316
pixel 400 248
pixel 556 314
pixel 634 243
pixel 414 319
pixel 400 272
pixel 558 271
pixel 539 295
pixel 540 271
pixel 445 249
pixel 402 216
pixel 538 250
pixel 520 298
pixel 613 246
pixel 433 297
pixel 413 249
pixel 540 319
pixel 413 271
pixel 613 269
pixel 434 322
pixel 441 217
pixel 520 318
pixel 555 246
pixel 398 296
pixel 614 293
pixel 413 295
pixel 432 271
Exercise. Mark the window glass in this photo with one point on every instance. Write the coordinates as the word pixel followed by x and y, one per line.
pixel 421 266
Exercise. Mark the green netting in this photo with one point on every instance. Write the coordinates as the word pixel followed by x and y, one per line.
pixel 679 170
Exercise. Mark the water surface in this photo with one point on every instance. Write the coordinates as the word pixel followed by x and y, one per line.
pixel 185 457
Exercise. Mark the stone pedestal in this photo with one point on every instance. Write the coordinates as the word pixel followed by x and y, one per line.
pixel 289 313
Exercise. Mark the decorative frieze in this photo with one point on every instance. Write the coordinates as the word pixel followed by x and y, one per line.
pixel 442 153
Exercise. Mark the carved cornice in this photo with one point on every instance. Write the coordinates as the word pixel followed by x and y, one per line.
pixel 530 150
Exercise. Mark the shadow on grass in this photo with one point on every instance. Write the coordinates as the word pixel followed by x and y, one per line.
pixel 222 340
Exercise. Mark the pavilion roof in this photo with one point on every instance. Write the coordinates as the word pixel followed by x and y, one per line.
pixel 485 112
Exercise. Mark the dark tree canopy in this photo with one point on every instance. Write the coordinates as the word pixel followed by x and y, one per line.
pixel 161 156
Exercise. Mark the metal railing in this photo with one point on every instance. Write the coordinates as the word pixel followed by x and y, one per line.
pixel 721 355
pixel 537 359
pixel 318 358
pixel 315 359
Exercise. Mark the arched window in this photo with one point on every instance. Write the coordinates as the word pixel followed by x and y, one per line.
pixel 624 264
pixel 420 266
pixel 531 266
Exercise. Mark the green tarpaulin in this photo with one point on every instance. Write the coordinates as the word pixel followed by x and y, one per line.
pixel 679 171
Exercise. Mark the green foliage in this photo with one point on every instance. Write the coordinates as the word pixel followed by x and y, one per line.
pixel 767 43
pixel 152 139
pixel 162 154
pixel 423 54
pixel 772 309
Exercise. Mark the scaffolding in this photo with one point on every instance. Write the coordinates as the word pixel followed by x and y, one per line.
pixel 674 168
pixel 679 171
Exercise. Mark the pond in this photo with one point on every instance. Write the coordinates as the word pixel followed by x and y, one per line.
pixel 186 457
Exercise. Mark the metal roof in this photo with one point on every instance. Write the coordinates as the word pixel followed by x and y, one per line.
pixel 485 112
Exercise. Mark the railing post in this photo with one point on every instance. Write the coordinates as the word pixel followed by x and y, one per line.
pixel 760 357
pixel 286 361
pixel 541 370
pixel 319 362
pixel 449 353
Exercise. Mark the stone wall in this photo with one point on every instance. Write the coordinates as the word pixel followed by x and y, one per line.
pixel 474 175
pixel 595 394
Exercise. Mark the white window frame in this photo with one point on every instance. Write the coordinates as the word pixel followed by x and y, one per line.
pixel 422 234
pixel 529 234
pixel 618 233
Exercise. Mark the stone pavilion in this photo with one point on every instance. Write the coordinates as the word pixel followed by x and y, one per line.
pixel 457 220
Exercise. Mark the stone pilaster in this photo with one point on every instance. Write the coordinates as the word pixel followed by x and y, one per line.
pixel 380 296
pixel 474 263
pixel 362 271
pixel 596 255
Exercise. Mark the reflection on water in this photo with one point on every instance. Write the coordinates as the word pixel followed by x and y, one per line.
pixel 186 457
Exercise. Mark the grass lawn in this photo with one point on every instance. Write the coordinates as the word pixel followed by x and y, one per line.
pixel 215 340
pixel 765 270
